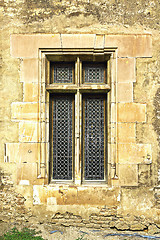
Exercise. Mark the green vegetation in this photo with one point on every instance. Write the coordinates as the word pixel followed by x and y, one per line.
pixel 24 234
pixel 28 234
pixel 81 238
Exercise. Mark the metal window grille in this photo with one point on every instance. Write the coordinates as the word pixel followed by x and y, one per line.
pixel 94 73
pixel 93 124
pixel 63 73
pixel 62 137
pixel 94 134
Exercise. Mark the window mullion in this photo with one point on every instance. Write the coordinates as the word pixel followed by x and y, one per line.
pixel 77 125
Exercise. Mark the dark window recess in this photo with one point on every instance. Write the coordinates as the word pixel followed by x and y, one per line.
pixel 62 137
pixel 94 137
pixel 62 73
pixel 94 73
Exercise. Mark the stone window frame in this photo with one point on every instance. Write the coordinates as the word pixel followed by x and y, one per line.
pixel 45 56
pixel 31 151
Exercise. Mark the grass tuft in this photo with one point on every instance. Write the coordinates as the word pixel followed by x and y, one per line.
pixel 24 234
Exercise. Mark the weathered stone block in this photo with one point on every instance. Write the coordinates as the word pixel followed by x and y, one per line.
pixel 143 46
pixel 131 112
pixel 41 195
pixel 26 46
pixel 112 224
pixel 144 174
pixel 145 132
pixel 33 131
pixel 97 196
pixel 137 226
pixel 78 40
pixel 128 174
pixel 28 131
pixel 99 41
pixel 125 92
pixel 105 226
pixel 126 70
pixel 153 229
pixel 27 171
pixel 24 111
pixel 23 152
pixel 29 70
pixel 51 201
pixel 137 200
pixel 126 132
pixel 134 153
pixel 122 226
pixel 123 42
pixel 87 196
pixel 130 45
pixel 30 92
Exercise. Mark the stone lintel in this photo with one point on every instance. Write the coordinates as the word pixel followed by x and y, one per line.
pixel 129 45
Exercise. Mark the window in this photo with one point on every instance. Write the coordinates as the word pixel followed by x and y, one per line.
pixel 62 136
pixel 78 119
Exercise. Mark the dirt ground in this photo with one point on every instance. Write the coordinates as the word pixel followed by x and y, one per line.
pixel 49 232
pixel 71 233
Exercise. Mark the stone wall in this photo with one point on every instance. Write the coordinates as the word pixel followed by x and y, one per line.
pixel 12 204
pixel 129 201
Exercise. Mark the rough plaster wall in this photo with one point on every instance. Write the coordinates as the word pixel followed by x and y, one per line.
pixel 36 13
pixel 86 17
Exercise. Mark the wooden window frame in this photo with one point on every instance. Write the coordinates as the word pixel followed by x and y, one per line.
pixel 46 88
pixel 79 88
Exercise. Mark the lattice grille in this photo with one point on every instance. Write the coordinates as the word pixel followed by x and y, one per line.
pixel 62 137
pixel 94 138
pixel 63 73
pixel 94 73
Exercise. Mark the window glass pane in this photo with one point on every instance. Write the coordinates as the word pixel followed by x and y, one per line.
pixel 62 136
pixel 94 137
pixel 93 72
pixel 62 72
